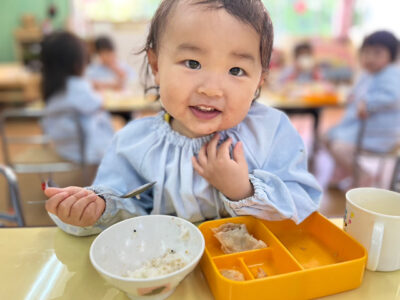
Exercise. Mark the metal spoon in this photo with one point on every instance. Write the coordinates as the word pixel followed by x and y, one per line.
pixel 135 192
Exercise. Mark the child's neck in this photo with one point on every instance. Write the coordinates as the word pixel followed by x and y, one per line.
pixel 177 126
pixel 374 72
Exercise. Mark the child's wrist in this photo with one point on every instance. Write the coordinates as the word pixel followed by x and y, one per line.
pixel 240 193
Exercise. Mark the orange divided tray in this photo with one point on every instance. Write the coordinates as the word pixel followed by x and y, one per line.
pixel 309 260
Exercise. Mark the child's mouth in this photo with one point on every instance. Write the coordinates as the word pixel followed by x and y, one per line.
pixel 204 112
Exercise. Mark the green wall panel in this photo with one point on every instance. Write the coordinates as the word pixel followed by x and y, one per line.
pixel 10 15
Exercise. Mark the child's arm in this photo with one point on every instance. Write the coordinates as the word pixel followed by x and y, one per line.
pixel 283 188
pixel 384 92
pixel 84 99
pixel 115 174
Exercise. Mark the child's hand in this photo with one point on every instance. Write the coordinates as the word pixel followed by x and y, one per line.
pixel 362 110
pixel 75 205
pixel 229 176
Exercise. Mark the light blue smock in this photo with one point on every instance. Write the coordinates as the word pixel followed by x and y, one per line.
pixel 149 150
pixel 96 123
pixel 101 73
pixel 381 93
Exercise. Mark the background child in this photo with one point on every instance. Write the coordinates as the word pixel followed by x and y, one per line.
pixel 376 100
pixel 213 151
pixel 106 72
pixel 64 59
pixel 304 69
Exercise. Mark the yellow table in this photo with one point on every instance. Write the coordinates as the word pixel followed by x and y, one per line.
pixel 46 263
pixel 126 101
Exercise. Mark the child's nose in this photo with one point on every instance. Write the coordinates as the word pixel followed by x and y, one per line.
pixel 211 88
pixel 210 91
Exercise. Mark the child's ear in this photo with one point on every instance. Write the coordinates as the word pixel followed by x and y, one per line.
pixel 153 61
pixel 262 79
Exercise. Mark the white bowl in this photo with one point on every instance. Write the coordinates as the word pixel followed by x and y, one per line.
pixel 125 246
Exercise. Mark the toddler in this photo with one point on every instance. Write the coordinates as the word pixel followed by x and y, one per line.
pixel 214 151
pixel 64 60
pixel 375 100
pixel 304 69
pixel 107 72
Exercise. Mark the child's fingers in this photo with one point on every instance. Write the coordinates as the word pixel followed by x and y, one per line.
pixel 79 207
pixel 238 153
pixel 74 189
pixel 202 156
pixel 64 207
pixel 196 166
pixel 223 150
pixel 100 207
pixel 90 215
pixel 212 147
pixel 52 204
pixel 51 191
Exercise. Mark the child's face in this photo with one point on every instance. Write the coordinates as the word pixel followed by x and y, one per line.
pixel 107 57
pixel 375 58
pixel 208 68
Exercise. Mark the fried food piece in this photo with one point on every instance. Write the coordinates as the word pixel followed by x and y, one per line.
pixel 261 273
pixel 232 274
pixel 235 238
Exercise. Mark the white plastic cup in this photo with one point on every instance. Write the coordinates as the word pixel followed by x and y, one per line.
pixel 373 218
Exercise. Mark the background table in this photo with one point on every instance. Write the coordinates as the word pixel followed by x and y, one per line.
pixel 18 84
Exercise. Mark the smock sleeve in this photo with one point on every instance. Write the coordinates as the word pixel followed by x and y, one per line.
pixel 384 92
pixel 83 97
pixel 115 174
pixel 283 187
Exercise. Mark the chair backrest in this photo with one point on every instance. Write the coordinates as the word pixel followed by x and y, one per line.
pixel 11 179
pixel 393 154
pixel 38 158
pixel 395 182
pixel 41 139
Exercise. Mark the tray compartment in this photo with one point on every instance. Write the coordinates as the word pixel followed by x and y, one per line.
pixel 272 261
pixel 315 243
pixel 233 262
pixel 213 246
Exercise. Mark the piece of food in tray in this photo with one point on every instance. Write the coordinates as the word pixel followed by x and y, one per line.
pixel 261 273
pixel 235 238
pixel 232 274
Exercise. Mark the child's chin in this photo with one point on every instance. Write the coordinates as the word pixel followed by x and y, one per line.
pixel 202 133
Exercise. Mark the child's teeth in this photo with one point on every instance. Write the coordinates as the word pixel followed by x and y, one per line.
pixel 205 108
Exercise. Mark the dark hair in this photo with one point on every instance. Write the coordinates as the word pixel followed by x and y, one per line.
pixel 384 39
pixel 103 43
pixel 63 54
pixel 251 12
pixel 301 48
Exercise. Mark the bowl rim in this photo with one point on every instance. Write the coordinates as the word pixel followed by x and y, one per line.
pixel 133 279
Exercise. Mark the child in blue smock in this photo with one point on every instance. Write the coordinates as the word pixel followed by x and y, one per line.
pixel 214 151
pixel 107 72
pixel 64 59
pixel 375 100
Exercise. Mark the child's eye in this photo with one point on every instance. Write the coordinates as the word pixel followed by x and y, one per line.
pixel 192 64
pixel 236 71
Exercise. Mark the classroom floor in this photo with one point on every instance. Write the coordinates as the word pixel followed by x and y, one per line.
pixel 332 204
